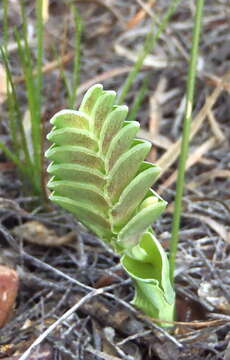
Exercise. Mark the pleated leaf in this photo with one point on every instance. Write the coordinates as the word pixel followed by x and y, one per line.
pixel 70 118
pixel 133 195
pixel 85 194
pixel 99 174
pixel 78 173
pixel 149 210
pixel 121 142
pixel 98 165
pixel 73 136
pixel 88 215
pixel 75 155
pixel 113 123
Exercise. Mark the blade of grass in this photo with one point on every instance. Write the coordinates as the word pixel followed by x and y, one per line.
pixel 185 137
pixel 149 44
pixel 12 157
pixel 33 103
pixel 139 98
pixel 5 23
pixel 39 33
pixel 25 59
pixel 15 113
pixel 39 83
pixel 77 57
pixel 63 75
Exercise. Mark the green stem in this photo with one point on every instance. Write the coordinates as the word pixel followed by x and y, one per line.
pixel 12 157
pixel 38 146
pixel 149 45
pixel 185 136
pixel 77 58
pixel 14 113
pixel 5 23
pixel 139 97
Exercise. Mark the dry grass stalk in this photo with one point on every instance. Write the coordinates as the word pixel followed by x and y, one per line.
pixel 160 141
pixel 173 152
pixel 193 158
pixel 140 15
pixel 207 176
pixel 156 113
pixel 214 225
pixel 215 127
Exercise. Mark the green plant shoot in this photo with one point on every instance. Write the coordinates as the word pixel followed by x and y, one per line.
pixel 99 174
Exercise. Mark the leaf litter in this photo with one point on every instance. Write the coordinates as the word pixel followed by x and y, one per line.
pixel 54 279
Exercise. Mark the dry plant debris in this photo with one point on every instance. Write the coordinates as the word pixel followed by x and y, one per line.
pixel 54 279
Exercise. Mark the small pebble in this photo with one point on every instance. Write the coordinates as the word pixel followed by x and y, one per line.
pixel 9 282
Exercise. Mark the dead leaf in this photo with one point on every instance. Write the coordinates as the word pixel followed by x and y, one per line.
pixel 37 233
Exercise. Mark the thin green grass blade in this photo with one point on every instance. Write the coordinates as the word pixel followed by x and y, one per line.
pixel 12 157
pixel 25 58
pixel 5 23
pixel 77 57
pixel 139 98
pixel 149 44
pixel 185 137
pixel 40 36
pixel 15 116
pixel 33 86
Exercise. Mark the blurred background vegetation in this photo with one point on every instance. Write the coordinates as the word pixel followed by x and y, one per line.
pixel 51 52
